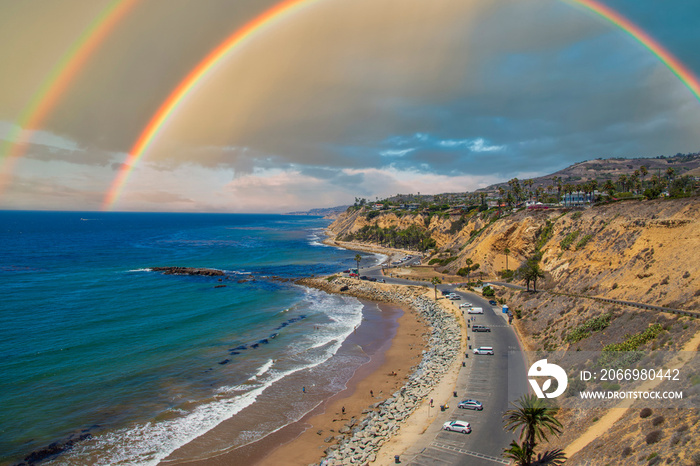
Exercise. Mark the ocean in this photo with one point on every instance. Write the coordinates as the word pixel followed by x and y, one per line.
pixel 105 361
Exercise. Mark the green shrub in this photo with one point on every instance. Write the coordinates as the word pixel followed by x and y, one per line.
pixel 582 242
pixel 568 240
pixel 488 291
pixel 645 413
pixel 637 340
pixel 587 328
pixel 657 421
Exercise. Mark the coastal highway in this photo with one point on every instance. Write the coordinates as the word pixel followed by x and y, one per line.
pixel 494 380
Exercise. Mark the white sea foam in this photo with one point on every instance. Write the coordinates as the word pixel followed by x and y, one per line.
pixel 141 270
pixel 265 367
pixel 150 442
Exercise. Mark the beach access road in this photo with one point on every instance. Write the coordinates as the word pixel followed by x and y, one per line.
pixel 482 377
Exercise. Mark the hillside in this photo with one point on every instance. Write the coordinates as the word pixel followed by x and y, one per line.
pixel 635 250
pixel 639 251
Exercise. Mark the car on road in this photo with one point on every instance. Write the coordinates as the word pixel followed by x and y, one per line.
pixel 471 404
pixel 457 426
pixel 446 292
pixel 454 297
pixel 493 303
pixel 483 350
pixel 480 328
pixel 475 310
pixel 465 305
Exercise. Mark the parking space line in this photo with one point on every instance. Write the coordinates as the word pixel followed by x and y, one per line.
pixel 470 453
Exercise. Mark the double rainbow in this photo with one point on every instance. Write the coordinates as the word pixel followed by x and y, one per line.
pixel 266 19
pixel 47 96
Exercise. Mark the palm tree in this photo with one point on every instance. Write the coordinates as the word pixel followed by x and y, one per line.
pixel 535 420
pixel 516 453
pixel 435 281
pixel 622 179
pixel 506 251
pixel 358 258
pixel 643 171
pixel 535 273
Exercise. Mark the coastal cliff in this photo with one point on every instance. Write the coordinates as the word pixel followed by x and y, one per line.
pixel 637 250
pixel 636 253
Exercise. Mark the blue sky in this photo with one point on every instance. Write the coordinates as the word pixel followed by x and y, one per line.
pixel 342 99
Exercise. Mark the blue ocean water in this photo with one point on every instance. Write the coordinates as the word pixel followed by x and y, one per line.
pixel 92 341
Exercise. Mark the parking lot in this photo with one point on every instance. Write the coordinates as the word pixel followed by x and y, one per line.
pixel 483 378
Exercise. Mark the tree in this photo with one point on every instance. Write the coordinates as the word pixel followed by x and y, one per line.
pixel 506 251
pixel 535 420
pixel 622 179
pixel 435 281
pixel 468 267
pixel 670 173
pixel 358 258
pixel 609 187
pixel 530 271
pixel 535 273
pixel 643 171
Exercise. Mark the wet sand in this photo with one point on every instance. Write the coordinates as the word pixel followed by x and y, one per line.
pixel 392 339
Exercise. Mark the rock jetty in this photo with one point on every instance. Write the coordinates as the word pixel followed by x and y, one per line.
pixel 188 271
pixel 359 440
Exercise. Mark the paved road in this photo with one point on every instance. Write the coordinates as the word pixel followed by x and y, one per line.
pixel 484 378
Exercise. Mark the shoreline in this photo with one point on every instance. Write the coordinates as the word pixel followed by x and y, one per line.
pixel 376 401
pixel 373 377
pixel 300 439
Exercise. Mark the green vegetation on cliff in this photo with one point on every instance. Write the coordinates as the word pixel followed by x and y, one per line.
pixel 412 237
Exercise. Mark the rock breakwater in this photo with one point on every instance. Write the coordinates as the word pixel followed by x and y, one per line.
pixel 359 440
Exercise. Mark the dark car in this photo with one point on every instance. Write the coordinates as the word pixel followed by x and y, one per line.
pixel 364 277
pixel 493 303
pixel 481 328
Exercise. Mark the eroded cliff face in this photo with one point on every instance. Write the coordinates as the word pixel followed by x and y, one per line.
pixel 642 251
pixel 645 252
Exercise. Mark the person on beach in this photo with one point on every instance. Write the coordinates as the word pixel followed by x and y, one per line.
pixel 343 409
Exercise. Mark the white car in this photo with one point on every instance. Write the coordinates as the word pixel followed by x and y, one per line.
pixel 483 350
pixel 465 305
pixel 457 426
pixel 475 310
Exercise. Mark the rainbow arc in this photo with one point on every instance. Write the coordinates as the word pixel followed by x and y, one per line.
pixel 172 103
pixel 57 81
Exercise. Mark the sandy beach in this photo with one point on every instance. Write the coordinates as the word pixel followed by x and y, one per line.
pixel 304 441
pixel 392 361
pixel 370 384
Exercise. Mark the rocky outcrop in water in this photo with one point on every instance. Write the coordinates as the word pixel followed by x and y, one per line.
pixel 189 271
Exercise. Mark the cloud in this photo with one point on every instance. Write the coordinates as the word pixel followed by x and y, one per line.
pixel 355 98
